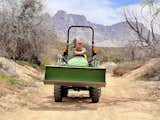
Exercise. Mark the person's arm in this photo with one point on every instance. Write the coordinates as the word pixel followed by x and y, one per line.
pixel 80 52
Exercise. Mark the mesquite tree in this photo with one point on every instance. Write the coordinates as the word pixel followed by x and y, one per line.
pixel 23 29
pixel 147 40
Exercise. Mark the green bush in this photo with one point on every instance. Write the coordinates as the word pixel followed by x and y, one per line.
pixel 105 58
pixel 111 59
pixel 8 79
pixel 42 66
pixel 1 66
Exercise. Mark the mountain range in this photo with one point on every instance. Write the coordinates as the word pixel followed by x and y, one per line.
pixel 116 35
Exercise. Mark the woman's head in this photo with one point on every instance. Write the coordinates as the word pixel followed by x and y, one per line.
pixel 79 44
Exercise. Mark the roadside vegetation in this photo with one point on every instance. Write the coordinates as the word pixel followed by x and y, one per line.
pixel 38 67
pixel 144 70
pixel 23 30
pixel 126 67
pixel 8 79
pixel 1 66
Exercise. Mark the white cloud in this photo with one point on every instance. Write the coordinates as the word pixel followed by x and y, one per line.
pixel 97 11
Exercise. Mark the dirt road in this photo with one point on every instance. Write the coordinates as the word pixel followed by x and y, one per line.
pixel 122 99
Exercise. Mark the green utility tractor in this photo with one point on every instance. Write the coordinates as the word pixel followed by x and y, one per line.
pixel 76 73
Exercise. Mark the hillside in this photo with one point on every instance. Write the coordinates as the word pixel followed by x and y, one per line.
pixel 17 82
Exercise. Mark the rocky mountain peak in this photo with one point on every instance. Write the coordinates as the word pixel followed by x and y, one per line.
pixel 111 36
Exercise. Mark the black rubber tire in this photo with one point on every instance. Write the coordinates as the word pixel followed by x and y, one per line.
pixel 64 92
pixel 57 93
pixel 95 94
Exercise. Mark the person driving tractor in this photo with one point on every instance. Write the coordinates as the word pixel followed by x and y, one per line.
pixel 79 49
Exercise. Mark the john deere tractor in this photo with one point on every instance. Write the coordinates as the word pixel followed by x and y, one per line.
pixel 76 73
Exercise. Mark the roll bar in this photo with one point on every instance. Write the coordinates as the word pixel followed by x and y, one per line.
pixel 89 27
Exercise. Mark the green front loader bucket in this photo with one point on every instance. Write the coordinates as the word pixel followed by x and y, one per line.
pixel 72 76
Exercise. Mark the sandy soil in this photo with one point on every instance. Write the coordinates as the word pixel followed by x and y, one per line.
pixel 122 99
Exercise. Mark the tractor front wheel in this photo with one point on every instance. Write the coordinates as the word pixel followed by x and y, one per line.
pixel 95 94
pixel 64 92
pixel 57 93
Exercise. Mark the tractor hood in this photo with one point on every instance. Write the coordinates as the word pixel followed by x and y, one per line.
pixel 78 62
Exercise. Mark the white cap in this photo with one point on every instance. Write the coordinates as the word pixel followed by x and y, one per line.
pixel 79 40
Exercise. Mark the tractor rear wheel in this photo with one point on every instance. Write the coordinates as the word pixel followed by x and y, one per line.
pixel 95 94
pixel 57 93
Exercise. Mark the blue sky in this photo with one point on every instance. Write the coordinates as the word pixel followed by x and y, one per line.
pixel 120 3
pixel 105 12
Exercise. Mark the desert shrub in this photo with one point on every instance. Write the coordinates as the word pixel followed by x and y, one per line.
pixel 105 59
pixel 116 60
pixel 155 76
pixel 111 59
pixel 1 66
pixel 8 79
pixel 119 71
pixel 23 63
pixel 24 30
pixel 126 67
pixel 42 66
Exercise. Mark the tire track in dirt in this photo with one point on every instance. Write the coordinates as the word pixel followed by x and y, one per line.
pixel 122 99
